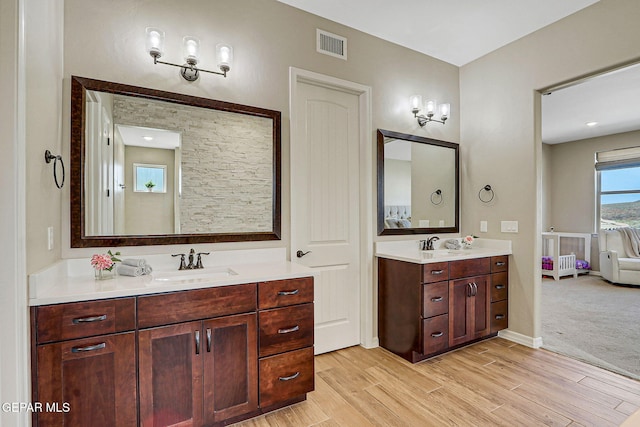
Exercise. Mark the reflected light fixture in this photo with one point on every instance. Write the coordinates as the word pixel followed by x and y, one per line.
pixel 433 112
pixel 191 53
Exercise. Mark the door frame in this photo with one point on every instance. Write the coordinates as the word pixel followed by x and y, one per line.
pixel 366 179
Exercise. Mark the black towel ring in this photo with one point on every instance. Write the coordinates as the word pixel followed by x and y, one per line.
pixel 47 158
pixel 488 189
pixel 438 192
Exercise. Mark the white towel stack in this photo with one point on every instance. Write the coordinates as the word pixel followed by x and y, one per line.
pixel 134 267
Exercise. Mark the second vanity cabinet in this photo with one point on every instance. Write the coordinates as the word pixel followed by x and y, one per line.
pixel 202 357
pixel 426 309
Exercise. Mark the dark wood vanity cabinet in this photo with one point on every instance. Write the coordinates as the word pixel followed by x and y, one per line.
pixel 426 309
pixel 84 364
pixel 203 357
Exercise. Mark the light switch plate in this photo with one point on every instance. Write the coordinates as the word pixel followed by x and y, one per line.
pixel 483 226
pixel 509 226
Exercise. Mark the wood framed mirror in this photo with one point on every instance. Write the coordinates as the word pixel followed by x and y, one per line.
pixel 149 167
pixel 418 184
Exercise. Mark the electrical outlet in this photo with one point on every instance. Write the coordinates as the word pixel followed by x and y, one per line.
pixel 483 226
pixel 50 238
pixel 509 226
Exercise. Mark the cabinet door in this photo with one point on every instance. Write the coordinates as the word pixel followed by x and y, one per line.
pixel 88 382
pixel 230 367
pixel 170 375
pixel 468 309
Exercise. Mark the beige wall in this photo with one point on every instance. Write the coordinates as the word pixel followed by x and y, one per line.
pixel 268 37
pixel 500 130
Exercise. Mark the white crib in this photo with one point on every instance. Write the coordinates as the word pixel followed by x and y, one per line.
pixel 564 265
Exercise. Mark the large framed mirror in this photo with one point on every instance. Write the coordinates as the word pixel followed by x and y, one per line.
pixel 149 167
pixel 418 184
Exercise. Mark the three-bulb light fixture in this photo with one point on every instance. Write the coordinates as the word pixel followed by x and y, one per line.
pixel 191 51
pixel 433 112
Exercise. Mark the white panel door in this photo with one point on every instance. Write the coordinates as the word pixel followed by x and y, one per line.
pixel 325 208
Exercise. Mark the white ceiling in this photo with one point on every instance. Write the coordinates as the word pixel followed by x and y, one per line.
pixel 454 31
pixel 612 100
pixel 160 138
pixel 461 31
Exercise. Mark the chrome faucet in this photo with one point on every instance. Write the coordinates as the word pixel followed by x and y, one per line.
pixel 427 245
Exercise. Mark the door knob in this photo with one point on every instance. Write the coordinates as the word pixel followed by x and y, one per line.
pixel 300 254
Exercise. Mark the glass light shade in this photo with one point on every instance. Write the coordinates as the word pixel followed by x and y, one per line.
pixel 191 50
pixel 416 103
pixel 430 107
pixel 155 41
pixel 224 56
pixel 445 111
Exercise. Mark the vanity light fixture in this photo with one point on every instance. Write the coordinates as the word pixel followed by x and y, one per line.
pixel 191 52
pixel 431 109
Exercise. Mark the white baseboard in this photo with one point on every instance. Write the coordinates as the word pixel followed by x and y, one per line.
pixel 520 339
pixel 373 343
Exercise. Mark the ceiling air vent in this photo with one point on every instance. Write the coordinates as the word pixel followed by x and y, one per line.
pixel 331 44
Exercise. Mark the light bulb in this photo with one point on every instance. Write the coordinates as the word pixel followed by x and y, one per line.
pixel 416 103
pixel 190 49
pixel 430 107
pixel 155 42
pixel 224 56
pixel 445 111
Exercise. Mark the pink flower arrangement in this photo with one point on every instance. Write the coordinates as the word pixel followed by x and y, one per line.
pixel 468 240
pixel 104 261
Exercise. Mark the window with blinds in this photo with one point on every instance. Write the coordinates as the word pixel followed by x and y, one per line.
pixel 618 188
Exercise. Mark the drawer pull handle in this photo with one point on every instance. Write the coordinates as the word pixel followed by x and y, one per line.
pixel 208 340
pixel 89 319
pixel 88 348
pixel 436 299
pixel 499 316
pixel 436 272
pixel 291 377
pixel 197 336
pixel 500 286
pixel 289 330
pixel 437 334
pixel 500 263
pixel 285 293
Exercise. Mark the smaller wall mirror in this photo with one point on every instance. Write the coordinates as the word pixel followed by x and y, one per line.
pixel 418 185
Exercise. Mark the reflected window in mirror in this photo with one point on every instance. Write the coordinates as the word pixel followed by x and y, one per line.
pixel 418 184
pixel 212 168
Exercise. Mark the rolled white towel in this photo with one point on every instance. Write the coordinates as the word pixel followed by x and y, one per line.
pixel 129 270
pixel 147 269
pixel 134 262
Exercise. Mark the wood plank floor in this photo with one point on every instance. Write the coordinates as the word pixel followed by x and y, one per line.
pixel 491 383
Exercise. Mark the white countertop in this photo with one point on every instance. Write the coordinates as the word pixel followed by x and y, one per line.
pixel 409 251
pixel 73 280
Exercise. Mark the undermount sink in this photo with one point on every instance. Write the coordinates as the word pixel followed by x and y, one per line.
pixel 194 276
pixel 441 253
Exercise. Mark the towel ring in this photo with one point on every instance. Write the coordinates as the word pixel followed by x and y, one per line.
pixel 488 189
pixel 437 193
pixel 47 158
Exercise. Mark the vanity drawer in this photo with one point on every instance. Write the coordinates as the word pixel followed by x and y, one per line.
pixel 435 299
pixel 499 315
pixel 84 319
pixel 469 268
pixel 185 306
pixel 499 286
pixel 499 263
pixel 286 376
pixel 435 334
pixel 284 329
pixel 435 272
pixel 280 293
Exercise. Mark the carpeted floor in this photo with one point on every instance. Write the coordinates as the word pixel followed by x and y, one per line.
pixel 592 320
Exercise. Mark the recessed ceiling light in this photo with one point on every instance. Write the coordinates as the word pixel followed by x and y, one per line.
pixel 150 138
pixel 591 124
